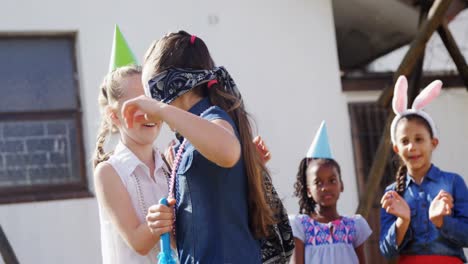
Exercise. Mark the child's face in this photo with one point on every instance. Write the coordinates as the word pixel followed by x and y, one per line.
pixel 414 144
pixel 141 133
pixel 323 184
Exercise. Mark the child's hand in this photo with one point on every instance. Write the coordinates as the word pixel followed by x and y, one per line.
pixel 169 153
pixel 141 109
pixel 394 204
pixel 160 218
pixel 441 206
pixel 262 149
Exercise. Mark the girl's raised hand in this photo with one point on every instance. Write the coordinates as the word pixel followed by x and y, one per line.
pixel 160 218
pixel 441 206
pixel 394 204
pixel 262 149
pixel 141 109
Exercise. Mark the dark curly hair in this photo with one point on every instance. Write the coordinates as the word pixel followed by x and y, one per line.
pixel 306 203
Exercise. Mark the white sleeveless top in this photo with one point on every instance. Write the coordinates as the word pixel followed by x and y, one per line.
pixel 144 192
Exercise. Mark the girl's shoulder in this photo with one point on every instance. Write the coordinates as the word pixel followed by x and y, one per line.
pixel 452 176
pixel 299 218
pixel 299 224
pixel 447 179
pixel 105 173
pixel 357 218
pixel 360 226
pixel 215 112
pixel 390 187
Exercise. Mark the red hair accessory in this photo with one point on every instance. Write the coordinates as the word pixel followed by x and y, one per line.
pixel 210 83
pixel 192 39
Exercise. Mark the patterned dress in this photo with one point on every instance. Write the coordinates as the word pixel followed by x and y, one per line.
pixel 333 242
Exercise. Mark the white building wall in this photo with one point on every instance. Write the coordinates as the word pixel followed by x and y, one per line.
pixel 282 55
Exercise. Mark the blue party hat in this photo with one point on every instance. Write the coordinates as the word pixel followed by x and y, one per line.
pixel 320 147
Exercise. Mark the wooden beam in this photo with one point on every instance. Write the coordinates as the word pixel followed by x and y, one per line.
pixel 377 170
pixel 384 149
pixel 417 47
pixel 454 52
pixel 383 153
pixel 5 249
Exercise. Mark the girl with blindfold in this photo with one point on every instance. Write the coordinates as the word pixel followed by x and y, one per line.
pixel 217 178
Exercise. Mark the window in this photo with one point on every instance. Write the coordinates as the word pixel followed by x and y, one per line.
pixel 367 124
pixel 41 142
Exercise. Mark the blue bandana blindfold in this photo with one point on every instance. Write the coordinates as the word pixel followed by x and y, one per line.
pixel 174 82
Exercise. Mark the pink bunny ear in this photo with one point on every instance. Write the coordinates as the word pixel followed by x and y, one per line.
pixel 427 95
pixel 400 96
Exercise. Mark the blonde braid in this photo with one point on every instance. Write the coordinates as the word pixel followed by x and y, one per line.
pixel 100 155
pixel 111 91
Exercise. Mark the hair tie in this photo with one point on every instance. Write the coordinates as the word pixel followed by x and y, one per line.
pixel 210 83
pixel 192 39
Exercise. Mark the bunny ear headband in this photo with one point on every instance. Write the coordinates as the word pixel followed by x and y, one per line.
pixel 400 102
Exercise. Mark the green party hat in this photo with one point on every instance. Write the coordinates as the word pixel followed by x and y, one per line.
pixel 121 54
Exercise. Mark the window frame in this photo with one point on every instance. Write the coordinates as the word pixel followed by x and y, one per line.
pixel 377 81
pixel 47 192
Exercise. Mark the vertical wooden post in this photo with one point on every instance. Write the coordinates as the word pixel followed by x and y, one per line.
pixel 414 56
pixel 435 18
pixel 454 52
pixel 377 170
pixel 6 251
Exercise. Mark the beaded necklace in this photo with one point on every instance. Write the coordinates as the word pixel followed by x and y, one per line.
pixel 173 190
pixel 141 200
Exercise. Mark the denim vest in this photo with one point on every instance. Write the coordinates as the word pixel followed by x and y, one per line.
pixel 212 211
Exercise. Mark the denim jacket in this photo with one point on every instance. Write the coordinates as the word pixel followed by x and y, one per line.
pixel 423 237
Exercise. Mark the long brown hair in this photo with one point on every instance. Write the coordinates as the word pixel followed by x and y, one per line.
pixel 110 92
pixel 178 50
pixel 403 169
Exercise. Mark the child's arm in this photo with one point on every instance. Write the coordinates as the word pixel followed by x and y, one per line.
pixel 360 254
pixel 298 253
pixel 452 222
pixel 363 231
pixel 215 140
pixel 298 256
pixel 114 199
pixel 394 224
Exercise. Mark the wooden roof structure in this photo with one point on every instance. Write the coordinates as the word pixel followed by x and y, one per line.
pixel 368 29
pixel 432 17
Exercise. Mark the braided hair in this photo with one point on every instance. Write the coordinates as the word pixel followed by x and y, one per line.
pixel 403 169
pixel 111 90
